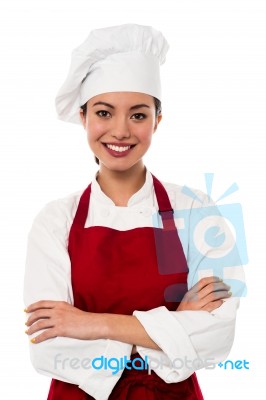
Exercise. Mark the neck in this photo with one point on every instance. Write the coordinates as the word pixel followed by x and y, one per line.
pixel 119 186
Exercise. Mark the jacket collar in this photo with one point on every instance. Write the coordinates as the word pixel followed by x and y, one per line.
pixel 142 196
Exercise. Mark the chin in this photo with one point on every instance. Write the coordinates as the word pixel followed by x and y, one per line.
pixel 118 166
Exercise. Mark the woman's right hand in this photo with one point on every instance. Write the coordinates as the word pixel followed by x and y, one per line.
pixel 207 295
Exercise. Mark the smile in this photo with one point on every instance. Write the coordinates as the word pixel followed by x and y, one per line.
pixel 120 149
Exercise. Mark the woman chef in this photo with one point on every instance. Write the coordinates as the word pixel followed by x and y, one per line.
pixel 106 270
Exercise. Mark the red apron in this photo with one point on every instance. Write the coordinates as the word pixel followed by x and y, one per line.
pixel 122 271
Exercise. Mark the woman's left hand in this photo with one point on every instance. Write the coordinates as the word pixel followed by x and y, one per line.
pixel 60 318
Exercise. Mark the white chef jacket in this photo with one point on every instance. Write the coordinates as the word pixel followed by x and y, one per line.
pixel 180 335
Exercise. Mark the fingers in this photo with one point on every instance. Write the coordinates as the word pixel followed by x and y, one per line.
pixel 39 314
pixel 204 282
pixel 204 287
pixel 43 324
pixel 214 296
pixel 212 305
pixel 207 294
pixel 50 320
pixel 43 304
pixel 39 320
pixel 44 309
pixel 214 288
pixel 54 318
pixel 48 334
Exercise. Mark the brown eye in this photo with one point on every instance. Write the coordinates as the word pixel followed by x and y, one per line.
pixel 138 116
pixel 103 114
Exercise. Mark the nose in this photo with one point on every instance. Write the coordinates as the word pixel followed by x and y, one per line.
pixel 120 129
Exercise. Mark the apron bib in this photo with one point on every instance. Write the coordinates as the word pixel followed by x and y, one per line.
pixel 119 272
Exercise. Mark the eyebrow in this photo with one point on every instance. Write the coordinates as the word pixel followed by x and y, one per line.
pixel 103 103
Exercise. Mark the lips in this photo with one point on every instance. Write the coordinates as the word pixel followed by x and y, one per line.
pixel 118 149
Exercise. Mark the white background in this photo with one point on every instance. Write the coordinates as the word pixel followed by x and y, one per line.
pixel 214 103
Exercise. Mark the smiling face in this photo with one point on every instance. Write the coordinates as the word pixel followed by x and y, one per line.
pixel 119 128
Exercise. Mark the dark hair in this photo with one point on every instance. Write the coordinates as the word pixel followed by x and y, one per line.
pixel 158 110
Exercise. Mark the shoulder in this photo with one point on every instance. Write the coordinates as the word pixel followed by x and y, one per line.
pixel 184 197
pixel 58 214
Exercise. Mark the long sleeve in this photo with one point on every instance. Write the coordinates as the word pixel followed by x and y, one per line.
pixel 183 336
pixel 48 277
pixel 191 340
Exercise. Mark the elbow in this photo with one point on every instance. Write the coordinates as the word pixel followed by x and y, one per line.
pixel 223 345
pixel 47 358
pixel 38 358
pixel 43 359
pixel 224 334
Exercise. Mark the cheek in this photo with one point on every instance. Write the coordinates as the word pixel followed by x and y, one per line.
pixel 145 132
pixel 95 130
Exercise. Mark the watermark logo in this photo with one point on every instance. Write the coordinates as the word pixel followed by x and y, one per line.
pixel 101 363
pixel 231 365
pixel 214 234
pixel 119 364
pixel 217 231
pixel 149 364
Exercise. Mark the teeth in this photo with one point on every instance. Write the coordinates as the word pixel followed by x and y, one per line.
pixel 120 149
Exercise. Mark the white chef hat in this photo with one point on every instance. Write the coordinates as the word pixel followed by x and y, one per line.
pixel 123 58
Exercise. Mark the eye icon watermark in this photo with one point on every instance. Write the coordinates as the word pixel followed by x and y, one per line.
pixel 213 235
pixel 214 232
pixel 217 231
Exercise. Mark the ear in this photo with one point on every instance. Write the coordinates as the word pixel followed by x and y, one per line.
pixel 158 120
pixel 82 118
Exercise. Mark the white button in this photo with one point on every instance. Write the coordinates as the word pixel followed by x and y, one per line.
pixel 105 212
pixel 146 212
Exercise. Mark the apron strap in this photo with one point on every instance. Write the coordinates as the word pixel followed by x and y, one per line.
pixel 165 209
pixel 83 208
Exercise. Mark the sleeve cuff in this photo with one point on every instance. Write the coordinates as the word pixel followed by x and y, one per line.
pixel 173 363
pixel 100 382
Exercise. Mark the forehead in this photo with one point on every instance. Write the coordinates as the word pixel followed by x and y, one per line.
pixel 122 99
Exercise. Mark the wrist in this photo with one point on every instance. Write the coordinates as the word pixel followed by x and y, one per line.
pixel 97 326
pixel 102 325
pixel 110 326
